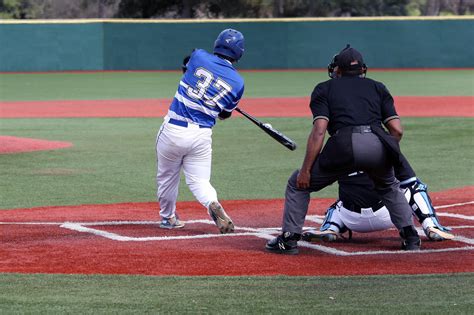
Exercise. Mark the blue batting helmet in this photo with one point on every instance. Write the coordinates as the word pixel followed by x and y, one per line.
pixel 230 43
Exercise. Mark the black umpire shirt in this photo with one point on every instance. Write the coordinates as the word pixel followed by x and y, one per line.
pixel 352 101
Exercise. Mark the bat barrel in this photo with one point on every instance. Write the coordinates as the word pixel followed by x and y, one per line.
pixel 275 134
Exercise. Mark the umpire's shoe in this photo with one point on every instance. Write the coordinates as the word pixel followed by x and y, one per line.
pixel 410 238
pixel 286 243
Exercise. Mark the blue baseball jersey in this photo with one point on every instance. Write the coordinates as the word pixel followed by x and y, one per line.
pixel 209 85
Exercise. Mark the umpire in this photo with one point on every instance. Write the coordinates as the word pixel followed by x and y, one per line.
pixel 352 109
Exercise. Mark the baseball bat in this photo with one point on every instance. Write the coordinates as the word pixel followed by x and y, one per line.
pixel 275 134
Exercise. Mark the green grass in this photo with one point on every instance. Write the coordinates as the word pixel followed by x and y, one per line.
pixel 113 160
pixel 132 85
pixel 430 294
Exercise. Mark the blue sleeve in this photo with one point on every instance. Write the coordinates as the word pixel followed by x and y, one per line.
pixel 230 106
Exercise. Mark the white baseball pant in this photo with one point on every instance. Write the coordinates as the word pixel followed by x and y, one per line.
pixel 369 220
pixel 187 148
pixel 365 221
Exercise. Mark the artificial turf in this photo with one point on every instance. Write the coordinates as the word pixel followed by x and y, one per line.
pixel 136 85
pixel 96 294
pixel 113 160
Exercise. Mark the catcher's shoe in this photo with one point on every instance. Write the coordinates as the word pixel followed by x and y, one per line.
pixel 410 238
pixel 325 236
pixel 171 223
pixel 435 234
pixel 286 243
pixel 220 218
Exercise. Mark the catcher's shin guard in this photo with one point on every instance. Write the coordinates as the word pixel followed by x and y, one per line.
pixel 420 202
pixel 330 230
pixel 328 223
pixel 333 222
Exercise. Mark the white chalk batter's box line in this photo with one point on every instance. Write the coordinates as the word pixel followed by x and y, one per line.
pixel 265 233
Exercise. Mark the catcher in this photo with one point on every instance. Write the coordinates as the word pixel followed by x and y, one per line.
pixel 360 209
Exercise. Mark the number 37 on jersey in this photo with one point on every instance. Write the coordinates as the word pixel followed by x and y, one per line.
pixel 208 88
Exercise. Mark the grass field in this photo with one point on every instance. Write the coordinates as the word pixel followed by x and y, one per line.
pixel 432 294
pixel 113 160
pixel 133 85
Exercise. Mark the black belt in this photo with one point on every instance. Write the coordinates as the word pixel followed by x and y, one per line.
pixel 357 209
pixel 361 129
pixel 183 123
pixel 353 129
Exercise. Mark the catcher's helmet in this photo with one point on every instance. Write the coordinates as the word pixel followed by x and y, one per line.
pixel 230 43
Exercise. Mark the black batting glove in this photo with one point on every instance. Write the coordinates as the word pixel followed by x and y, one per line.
pixel 185 63
pixel 224 115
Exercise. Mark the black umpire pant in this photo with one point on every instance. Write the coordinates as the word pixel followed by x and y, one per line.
pixel 368 155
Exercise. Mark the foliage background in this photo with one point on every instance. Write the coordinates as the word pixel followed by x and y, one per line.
pixel 69 9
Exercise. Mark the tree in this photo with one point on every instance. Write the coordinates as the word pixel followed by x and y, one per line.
pixel 146 9
pixel 432 7
pixel 57 9
pixel 15 9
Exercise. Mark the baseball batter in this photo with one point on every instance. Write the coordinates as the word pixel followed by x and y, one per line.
pixel 210 88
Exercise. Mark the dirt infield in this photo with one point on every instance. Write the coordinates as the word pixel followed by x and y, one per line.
pixel 125 239
pixel 408 106
pixel 10 145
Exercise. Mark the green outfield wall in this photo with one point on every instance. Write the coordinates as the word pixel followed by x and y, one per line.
pixel 270 44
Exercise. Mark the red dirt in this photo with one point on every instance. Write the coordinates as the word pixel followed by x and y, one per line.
pixel 48 248
pixel 9 145
pixel 414 106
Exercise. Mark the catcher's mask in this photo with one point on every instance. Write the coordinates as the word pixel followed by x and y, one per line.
pixel 348 60
pixel 332 67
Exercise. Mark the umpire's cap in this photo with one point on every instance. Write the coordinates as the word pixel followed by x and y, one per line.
pixel 349 59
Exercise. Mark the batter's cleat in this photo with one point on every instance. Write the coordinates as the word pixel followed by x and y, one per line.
pixel 220 218
pixel 435 234
pixel 325 236
pixel 171 223
pixel 286 243
pixel 410 238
